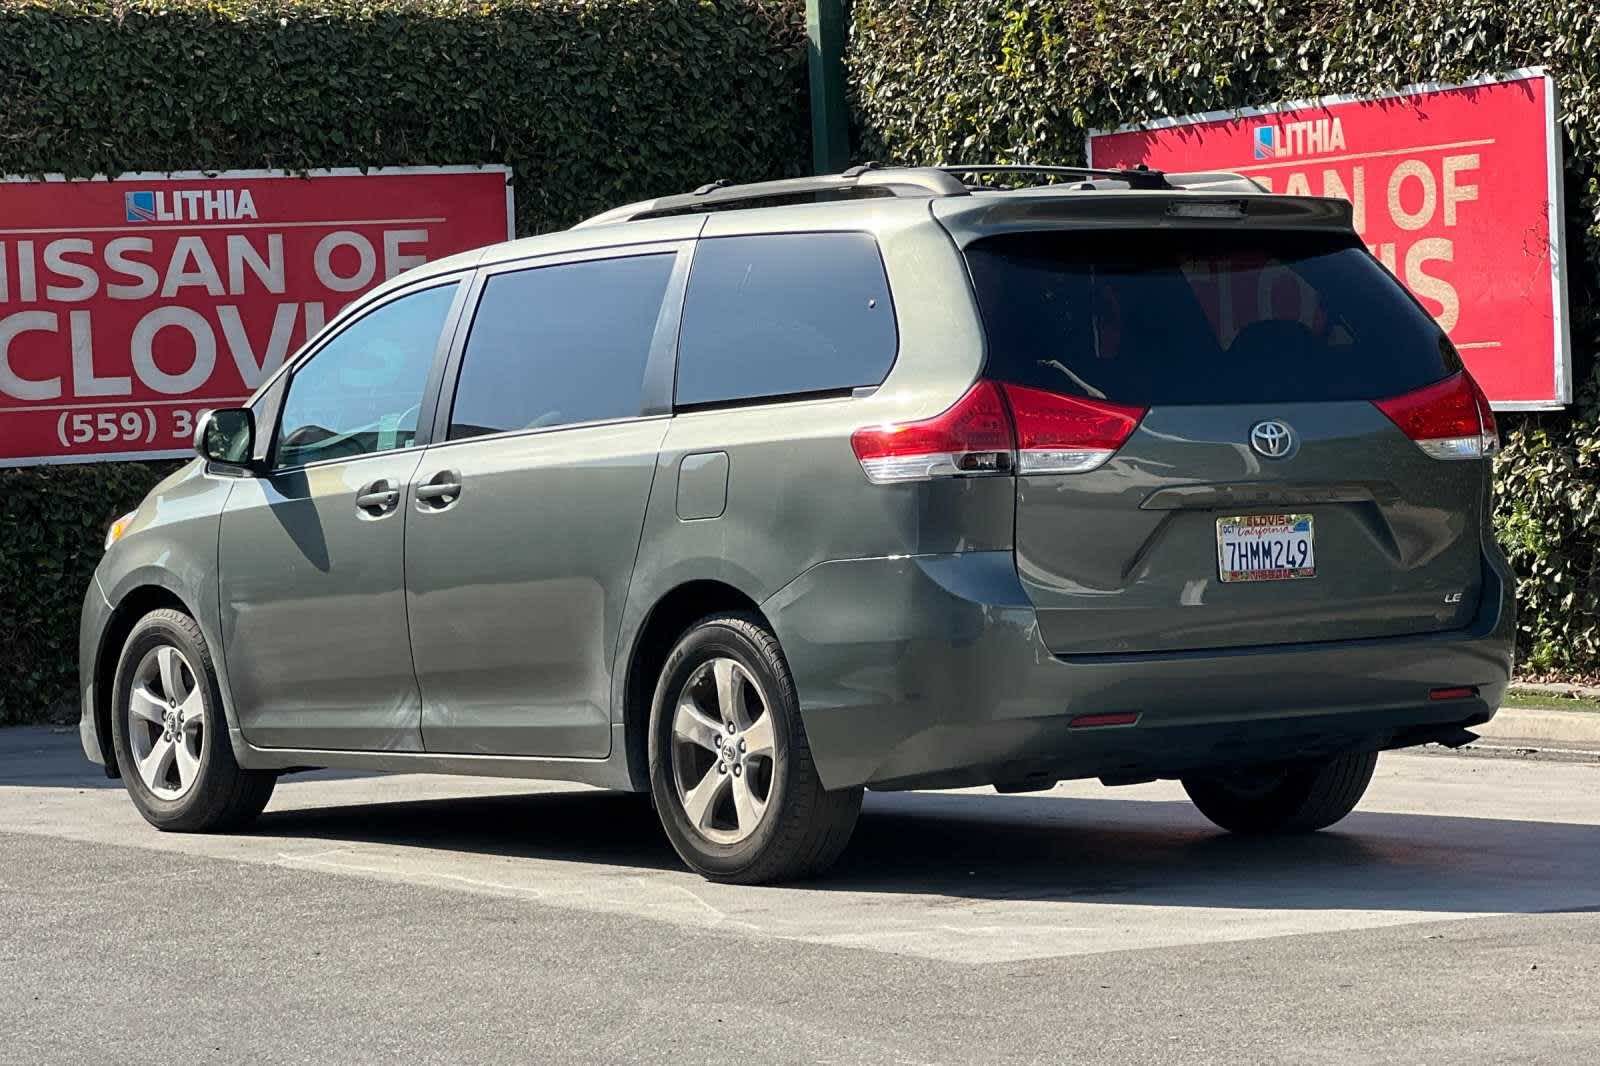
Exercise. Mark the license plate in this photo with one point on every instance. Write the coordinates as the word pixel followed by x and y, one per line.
pixel 1266 547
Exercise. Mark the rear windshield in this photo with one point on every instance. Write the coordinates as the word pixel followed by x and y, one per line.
pixel 1173 317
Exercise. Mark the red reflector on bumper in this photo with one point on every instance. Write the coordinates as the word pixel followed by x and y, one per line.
pixel 1462 692
pixel 1092 721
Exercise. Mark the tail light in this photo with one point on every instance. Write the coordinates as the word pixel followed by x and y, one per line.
pixel 972 437
pixel 998 429
pixel 1450 419
pixel 1067 434
pixel 1491 428
pixel 1100 721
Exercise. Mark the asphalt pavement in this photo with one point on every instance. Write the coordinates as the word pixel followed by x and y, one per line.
pixel 1455 917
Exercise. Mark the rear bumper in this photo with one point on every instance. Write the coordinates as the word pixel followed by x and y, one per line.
pixel 928 671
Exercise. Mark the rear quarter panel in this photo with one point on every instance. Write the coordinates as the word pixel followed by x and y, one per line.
pixel 796 496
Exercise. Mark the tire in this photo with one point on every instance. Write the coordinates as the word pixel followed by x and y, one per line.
pixel 801 828
pixel 198 786
pixel 1290 798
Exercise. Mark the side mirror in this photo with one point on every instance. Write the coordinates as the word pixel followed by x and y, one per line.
pixel 226 436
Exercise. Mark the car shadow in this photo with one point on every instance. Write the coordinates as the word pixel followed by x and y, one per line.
pixel 1046 849
pixel 610 828
pixel 1143 852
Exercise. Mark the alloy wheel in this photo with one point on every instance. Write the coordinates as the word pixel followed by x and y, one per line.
pixel 166 722
pixel 723 759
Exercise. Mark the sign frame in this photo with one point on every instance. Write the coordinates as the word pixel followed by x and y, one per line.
pixel 256 174
pixel 1555 196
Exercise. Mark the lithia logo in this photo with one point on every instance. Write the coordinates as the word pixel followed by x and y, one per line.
pixel 188 205
pixel 1298 138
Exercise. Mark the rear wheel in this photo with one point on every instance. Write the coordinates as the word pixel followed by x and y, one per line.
pixel 730 768
pixel 170 734
pixel 1297 797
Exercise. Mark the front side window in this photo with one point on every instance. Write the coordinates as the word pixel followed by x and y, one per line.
pixel 362 391
pixel 784 314
pixel 559 345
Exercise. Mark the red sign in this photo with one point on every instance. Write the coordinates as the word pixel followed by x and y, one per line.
pixel 1456 188
pixel 128 306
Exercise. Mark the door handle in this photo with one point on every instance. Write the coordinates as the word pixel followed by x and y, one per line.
pixel 439 491
pixel 378 498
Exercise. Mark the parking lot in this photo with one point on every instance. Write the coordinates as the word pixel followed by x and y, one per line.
pixel 434 919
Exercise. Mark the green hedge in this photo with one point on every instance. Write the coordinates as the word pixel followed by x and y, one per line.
pixel 1024 80
pixel 592 103
pixel 53 521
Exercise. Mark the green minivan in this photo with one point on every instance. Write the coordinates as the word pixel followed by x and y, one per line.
pixel 758 496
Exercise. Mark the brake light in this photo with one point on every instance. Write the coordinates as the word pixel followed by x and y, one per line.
pixel 1489 427
pixel 973 436
pixel 1101 721
pixel 1059 434
pixel 1450 419
pixel 998 429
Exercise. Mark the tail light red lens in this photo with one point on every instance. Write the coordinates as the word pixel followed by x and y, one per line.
pixel 1450 419
pixel 998 429
pixel 973 436
pixel 1491 428
pixel 1101 721
pixel 1059 434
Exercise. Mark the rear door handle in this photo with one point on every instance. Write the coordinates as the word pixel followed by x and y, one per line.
pixel 439 491
pixel 378 498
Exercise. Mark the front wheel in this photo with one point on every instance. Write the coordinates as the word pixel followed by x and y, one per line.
pixel 1297 797
pixel 170 734
pixel 730 769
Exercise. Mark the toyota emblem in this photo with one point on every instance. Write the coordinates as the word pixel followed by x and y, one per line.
pixel 1272 439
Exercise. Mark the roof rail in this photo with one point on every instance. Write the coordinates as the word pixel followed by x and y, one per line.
pixel 873 179
pixel 867 180
pixel 1140 177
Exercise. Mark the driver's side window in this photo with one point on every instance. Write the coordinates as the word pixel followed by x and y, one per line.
pixel 362 391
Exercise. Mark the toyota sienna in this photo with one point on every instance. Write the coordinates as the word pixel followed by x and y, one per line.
pixel 755 497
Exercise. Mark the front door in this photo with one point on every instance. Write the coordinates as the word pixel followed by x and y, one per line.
pixel 312 555
pixel 528 510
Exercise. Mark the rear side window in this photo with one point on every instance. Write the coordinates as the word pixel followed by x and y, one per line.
pixel 782 315
pixel 1175 317
pixel 560 344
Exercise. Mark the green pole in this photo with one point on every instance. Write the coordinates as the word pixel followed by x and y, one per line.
pixel 830 117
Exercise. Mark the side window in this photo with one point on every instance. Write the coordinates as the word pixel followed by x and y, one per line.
pixel 556 345
pixel 781 314
pixel 361 392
